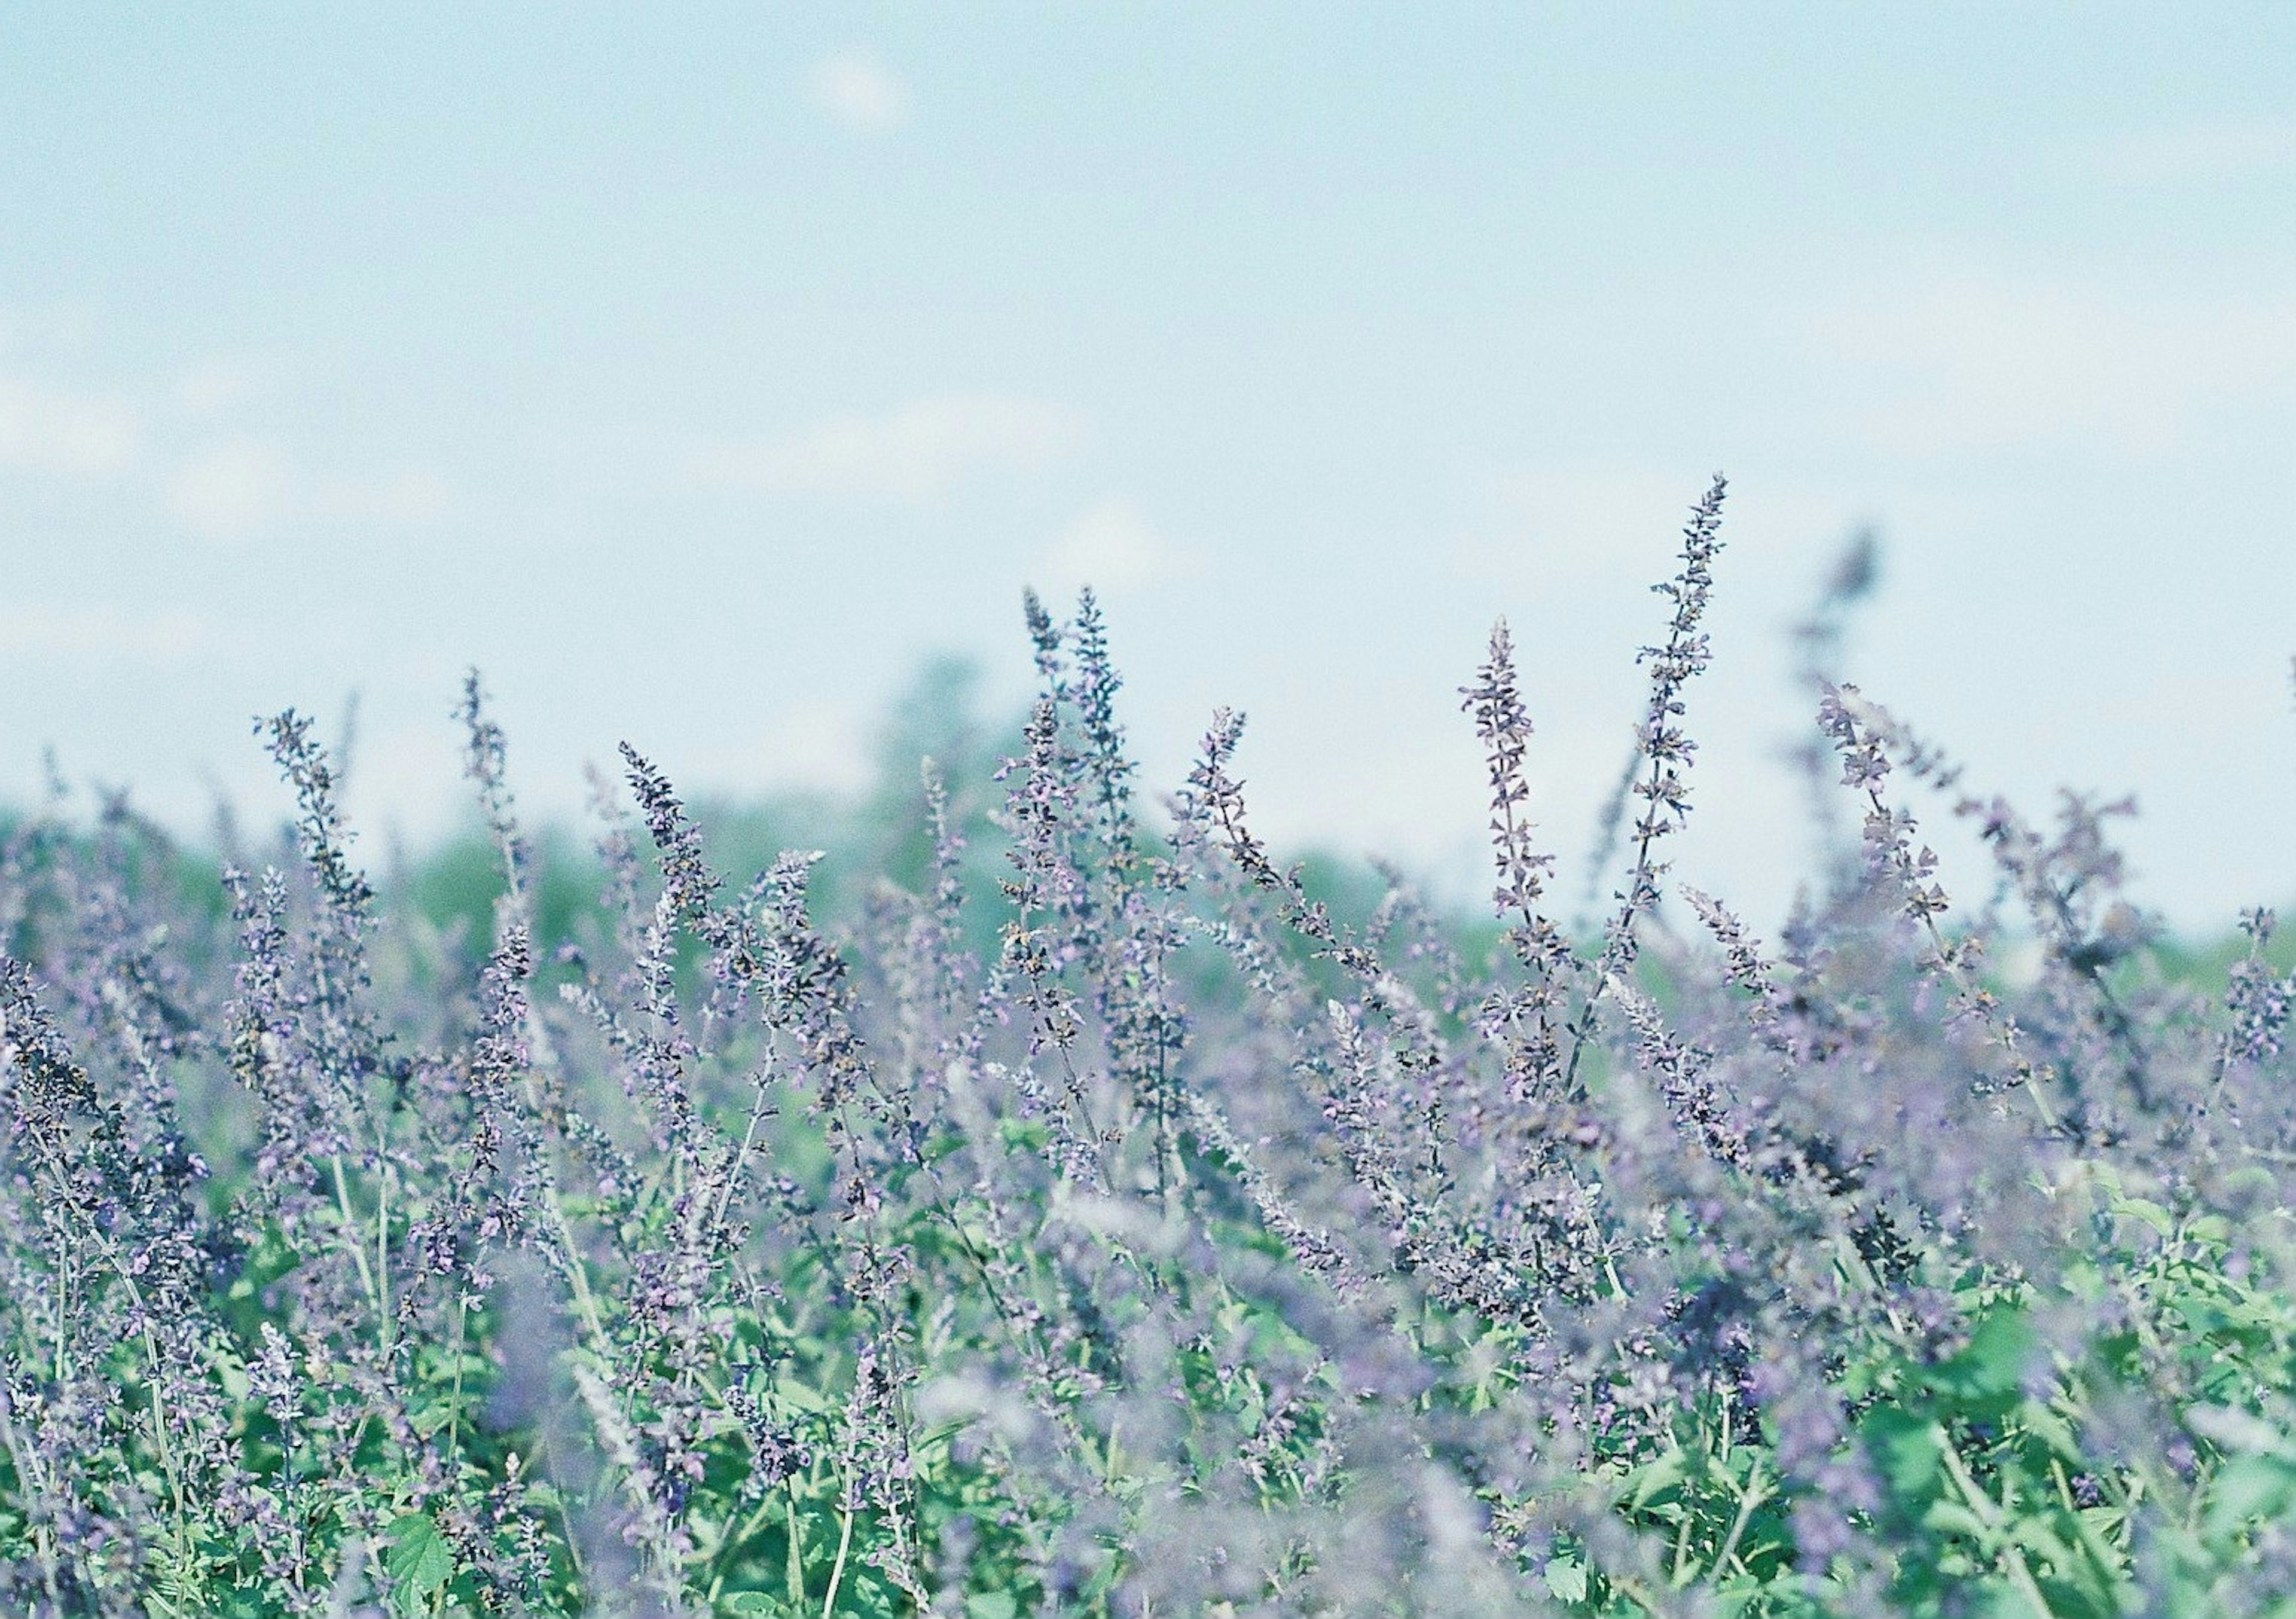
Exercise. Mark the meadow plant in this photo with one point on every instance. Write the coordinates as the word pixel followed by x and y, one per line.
pixel 1139 1235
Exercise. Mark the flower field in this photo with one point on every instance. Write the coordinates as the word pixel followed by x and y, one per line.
pixel 1095 1220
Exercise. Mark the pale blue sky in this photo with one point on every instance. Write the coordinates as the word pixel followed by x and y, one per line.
pixel 697 371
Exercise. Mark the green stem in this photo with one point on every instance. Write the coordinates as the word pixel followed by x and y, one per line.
pixel 43 1535
pixel 455 1410
pixel 837 1569
pixel 1990 1513
pixel 382 1260
pixel 795 1564
pixel 343 1206
pixel 735 1540
pixel 1757 1492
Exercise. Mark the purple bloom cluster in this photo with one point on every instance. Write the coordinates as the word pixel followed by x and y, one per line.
pixel 1110 1222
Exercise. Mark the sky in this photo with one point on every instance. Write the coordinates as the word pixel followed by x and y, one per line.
pixel 698 373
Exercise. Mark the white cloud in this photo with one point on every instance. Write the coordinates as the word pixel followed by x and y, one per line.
pixel 854 88
pixel 1973 360
pixel 1115 549
pixel 47 430
pixel 211 389
pixel 242 486
pixel 232 489
pixel 1604 531
pixel 915 451
pixel 1555 527
pixel 2233 148
pixel 818 742
pixel 99 634
pixel 396 499
pixel 55 328
pixel 226 488
pixel 405 782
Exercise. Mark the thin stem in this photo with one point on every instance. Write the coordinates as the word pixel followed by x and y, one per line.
pixel 455 1408
pixel 837 1569
pixel 793 1564
pixel 27 1471
pixel 343 1206
pixel 382 1260
pixel 1990 1513
pixel 1757 1492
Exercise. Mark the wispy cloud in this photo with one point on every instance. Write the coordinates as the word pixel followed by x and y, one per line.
pixel 1557 527
pixel 401 782
pixel 99 634
pixel 53 431
pixel 1578 544
pixel 232 489
pixel 227 488
pixel 1959 360
pixel 915 451
pixel 214 389
pixel 239 487
pixel 2226 150
pixel 821 743
pixel 1116 550
pixel 857 91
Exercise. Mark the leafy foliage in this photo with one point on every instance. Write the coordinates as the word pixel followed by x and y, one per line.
pixel 1091 1216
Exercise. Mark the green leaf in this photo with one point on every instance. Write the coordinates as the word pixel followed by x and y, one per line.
pixel 1735 1595
pixel 2149 1212
pixel 1566 1578
pixel 1023 1135
pixel 418 1561
pixel 2237 1432
pixel 2244 1491
pixel 797 1391
pixel 1988 1377
pixel 1953 1517
pixel 1652 1479
pixel 2036 1534
pixel 1999 1599
pixel 2054 1431
pixel 1902 1446
pixel 992 1605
